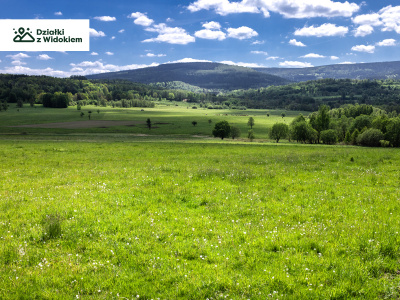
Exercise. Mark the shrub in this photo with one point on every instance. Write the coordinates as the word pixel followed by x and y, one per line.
pixel 370 138
pixel 329 137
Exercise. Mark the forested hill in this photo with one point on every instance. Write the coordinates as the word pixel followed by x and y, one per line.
pixel 214 76
pixel 378 70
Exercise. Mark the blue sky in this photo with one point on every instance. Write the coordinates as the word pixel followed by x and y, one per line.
pixel 131 34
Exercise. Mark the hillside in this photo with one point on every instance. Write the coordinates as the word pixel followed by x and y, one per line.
pixel 214 76
pixel 378 70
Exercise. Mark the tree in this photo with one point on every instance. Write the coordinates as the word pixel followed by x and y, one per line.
pixel 235 132
pixel 320 121
pixel 250 135
pixel 279 131
pixel 221 129
pixel 209 121
pixel 283 115
pixel 148 122
pixel 370 137
pixel 194 123
pixel 393 132
pixel 329 137
pixel 250 122
pixel 89 113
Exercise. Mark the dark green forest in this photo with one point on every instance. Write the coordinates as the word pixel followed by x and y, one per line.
pixel 304 96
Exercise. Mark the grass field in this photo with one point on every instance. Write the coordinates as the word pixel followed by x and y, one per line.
pixel 106 214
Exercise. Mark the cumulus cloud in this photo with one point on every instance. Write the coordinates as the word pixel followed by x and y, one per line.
pixel 94 53
pixel 94 67
pixel 293 42
pixel 334 57
pixel 141 19
pixel 287 8
pixel 259 52
pixel 109 53
pixel 121 31
pixel 241 33
pixel 346 63
pixel 326 29
pixel 257 42
pixel 171 35
pixel 187 60
pixel 387 42
pixel 58 13
pixel 295 64
pixel 388 18
pixel 153 55
pixel 18 56
pixel 272 58
pixel 242 64
pixel 363 30
pixel 364 48
pixel 212 25
pixel 95 33
pixel 44 57
pixel 211 32
pixel 313 55
pixel 18 63
pixel 105 18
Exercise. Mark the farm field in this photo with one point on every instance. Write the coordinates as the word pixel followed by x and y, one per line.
pixel 167 119
pixel 111 213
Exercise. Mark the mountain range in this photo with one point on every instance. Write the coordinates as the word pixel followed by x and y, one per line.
pixel 217 76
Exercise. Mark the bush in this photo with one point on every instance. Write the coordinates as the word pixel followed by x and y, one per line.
pixel 329 137
pixel 370 138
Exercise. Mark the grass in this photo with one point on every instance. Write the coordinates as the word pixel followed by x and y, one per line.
pixel 111 215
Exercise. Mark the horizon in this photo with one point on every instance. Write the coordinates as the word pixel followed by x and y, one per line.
pixel 263 34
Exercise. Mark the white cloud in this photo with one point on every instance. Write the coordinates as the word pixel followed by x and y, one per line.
pixel 241 33
pixel 287 8
pixel 312 55
pixel 210 34
pixel 293 42
pixel 212 25
pixel 242 64
pixel 141 19
pixel 153 55
pixel 364 48
pixel 169 20
pixel 334 57
pixel 44 57
pixel 257 42
pixel 18 56
pixel 112 38
pixel 363 30
pixel 388 18
pixel 346 63
pixel 273 58
pixel 187 60
pixel 223 7
pixel 95 33
pixel 295 64
pixel 105 18
pixel 326 29
pixel 259 52
pixel 94 53
pixel 171 35
pixel 94 67
pixel 121 31
pixel 109 53
pixel 18 63
pixel 83 68
pixel 387 42
pixel 58 13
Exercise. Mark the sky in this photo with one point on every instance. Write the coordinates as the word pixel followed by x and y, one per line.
pixel 131 34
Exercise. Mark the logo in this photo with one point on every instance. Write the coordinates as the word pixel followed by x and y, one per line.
pixel 23 36
pixel 44 35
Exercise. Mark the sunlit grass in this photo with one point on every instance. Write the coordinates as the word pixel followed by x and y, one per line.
pixel 147 218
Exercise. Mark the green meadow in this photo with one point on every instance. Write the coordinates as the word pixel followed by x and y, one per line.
pixel 171 213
